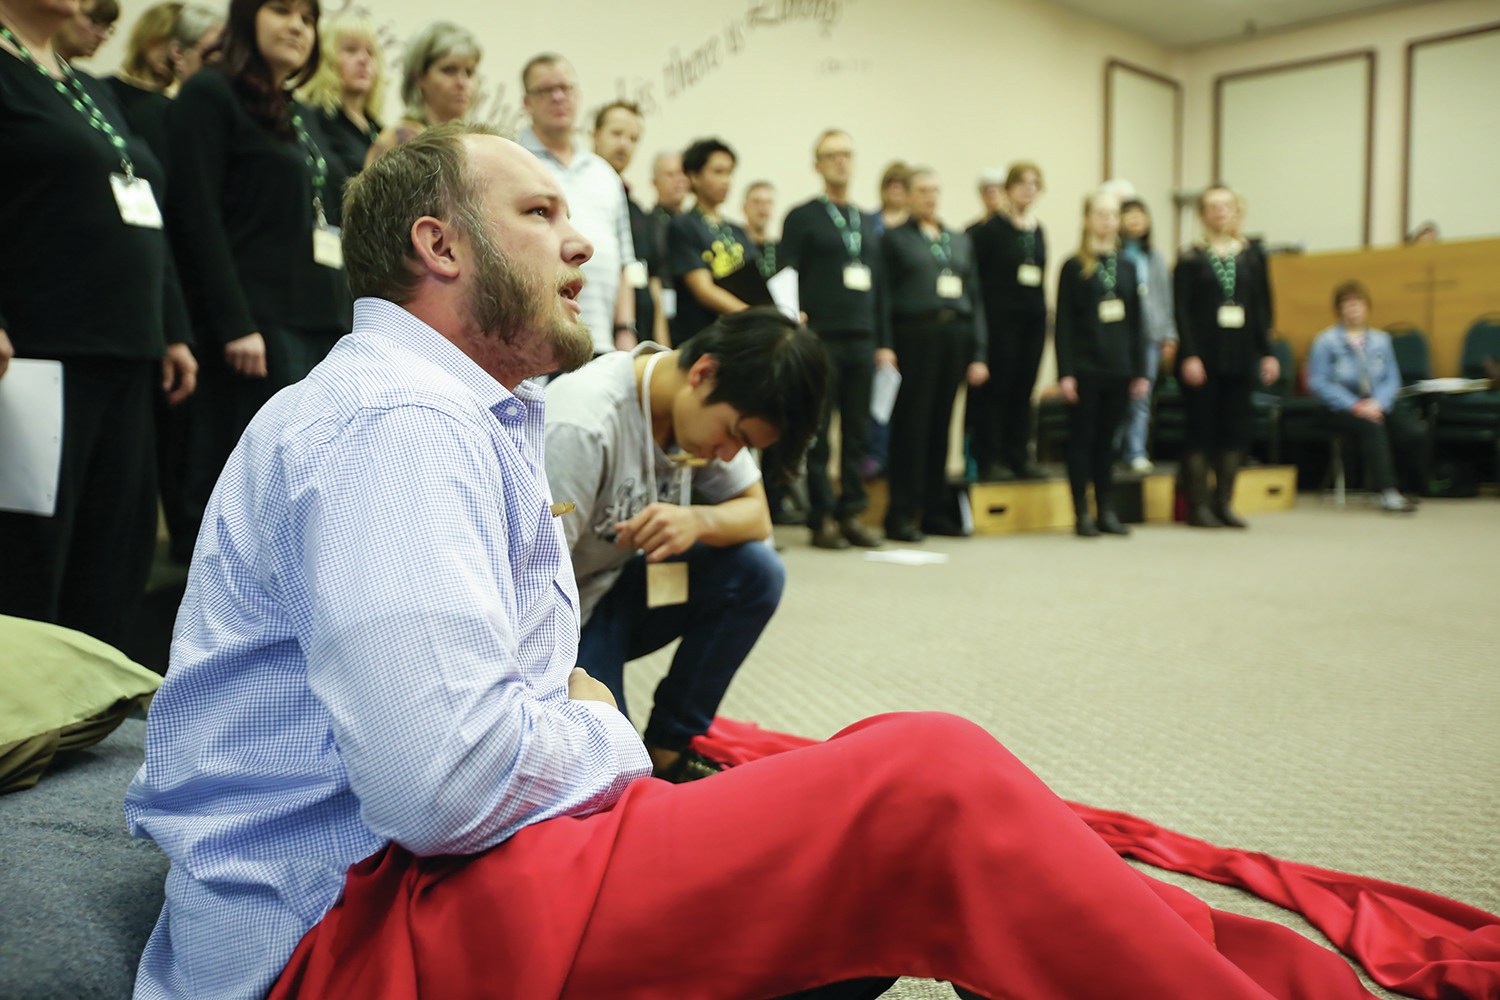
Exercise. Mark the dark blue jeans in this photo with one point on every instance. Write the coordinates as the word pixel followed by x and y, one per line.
pixel 732 594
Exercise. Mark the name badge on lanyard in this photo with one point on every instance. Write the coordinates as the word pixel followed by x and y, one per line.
pixel 1111 310
pixel 666 582
pixel 328 246
pixel 136 201
pixel 636 275
pixel 857 277
pixel 669 302
pixel 1231 317
pixel 1029 275
pixel 950 286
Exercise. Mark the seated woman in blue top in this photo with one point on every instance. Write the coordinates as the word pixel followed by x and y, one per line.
pixel 1352 369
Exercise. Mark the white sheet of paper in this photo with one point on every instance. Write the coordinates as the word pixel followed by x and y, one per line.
pixel 883 394
pixel 786 292
pixel 907 557
pixel 31 429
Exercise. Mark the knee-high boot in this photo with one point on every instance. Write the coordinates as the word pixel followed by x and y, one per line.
pixel 1195 482
pixel 1225 471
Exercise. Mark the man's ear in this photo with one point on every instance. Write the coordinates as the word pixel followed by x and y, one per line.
pixel 703 370
pixel 436 247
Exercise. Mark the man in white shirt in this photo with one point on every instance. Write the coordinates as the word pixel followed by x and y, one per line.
pixel 597 200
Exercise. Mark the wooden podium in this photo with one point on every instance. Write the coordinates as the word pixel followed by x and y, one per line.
pixel 1439 288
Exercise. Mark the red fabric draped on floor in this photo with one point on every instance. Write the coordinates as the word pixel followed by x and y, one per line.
pixel 1408 940
pixel 909 844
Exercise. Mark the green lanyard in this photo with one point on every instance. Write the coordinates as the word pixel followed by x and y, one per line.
pixel 942 249
pixel 767 261
pixel 315 163
pixel 849 230
pixel 724 236
pixel 1224 271
pixel 72 91
pixel 1028 245
pixel 1108 270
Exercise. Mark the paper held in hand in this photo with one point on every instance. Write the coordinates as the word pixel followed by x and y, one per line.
pixel 31 429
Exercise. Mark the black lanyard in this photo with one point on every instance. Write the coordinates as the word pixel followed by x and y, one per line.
pixel 73 91
pixel 942 248
pixel 315 163
pixel 1224 271
pixel 1108 272
pixel 849 230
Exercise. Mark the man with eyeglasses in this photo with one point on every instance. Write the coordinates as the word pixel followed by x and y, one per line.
pixel 832 245
pixel 83 33
pixel 600 210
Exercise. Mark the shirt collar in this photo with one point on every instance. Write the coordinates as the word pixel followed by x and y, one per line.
pixel 529 139
pixel 387 319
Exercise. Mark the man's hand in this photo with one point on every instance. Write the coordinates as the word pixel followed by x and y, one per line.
pixel 179 373
pixel 582 687
pixel 6 353
pixel 885 358
pixel 1193 374
pixel 978 373
pixel 1139 387
pixel 1068 386
pixel 1270 369
pixel 661 530
pixel 1368 409
pixel 247 355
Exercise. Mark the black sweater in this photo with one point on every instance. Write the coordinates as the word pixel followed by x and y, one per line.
pixel 909 272
pixel 1198 297
pixel 1086 347
pixel 1000 249
pixel 241 218
pixel 75 280
pixel 347 142
pixel 814 245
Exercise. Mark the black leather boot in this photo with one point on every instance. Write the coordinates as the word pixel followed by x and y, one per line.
pixel 1225 471
pixel 1194 474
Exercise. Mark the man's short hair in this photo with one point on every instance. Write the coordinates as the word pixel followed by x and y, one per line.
pixel 543 59
pixel 630 106
pixel 103 12
pixel 828 133
pixel 427 175
pixel 769 366
pixel 915 172
pixel 1018 172
pixel 695 157
pixel 1350 290
pixel 757 185
pixel 896 172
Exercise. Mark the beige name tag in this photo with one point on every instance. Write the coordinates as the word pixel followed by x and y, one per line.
pixel 666 584
pixel 635 274
pixel 856 277
pixel 1029 275
pixel 328 247
pixel 950 286
pixel 669 303
pixel 137 204
pixel 1111 310
pixel 1231 317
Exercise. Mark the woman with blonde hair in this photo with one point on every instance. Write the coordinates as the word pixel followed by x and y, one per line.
pixel 148 50
pixel 349 89
pixel 437 81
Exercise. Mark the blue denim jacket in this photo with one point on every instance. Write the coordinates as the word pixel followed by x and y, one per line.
pixel 1333 371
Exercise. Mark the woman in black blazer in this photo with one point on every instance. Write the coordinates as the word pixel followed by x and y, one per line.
pixel 1223 299
pixel 253 213
pixel 1101 357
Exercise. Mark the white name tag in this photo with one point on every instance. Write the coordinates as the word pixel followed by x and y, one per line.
pixel 635 274
pixel 137 204
pixel 950 286
pixel 666 584
pixel 1231 317
pixel 328 247
pixel 669 302
pixel 856 277
pixel 1111 310
pixel 1029 275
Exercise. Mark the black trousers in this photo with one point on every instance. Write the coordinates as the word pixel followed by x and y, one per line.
pixel 851 357
pixel 933 353
pixel 86 566
pixel 1092 423
pixel 1395 452
pixel 226 401
pixel 1217 415
pixel 1001 408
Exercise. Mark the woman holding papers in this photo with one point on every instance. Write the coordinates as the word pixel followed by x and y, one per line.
pixel 1223 297
pixel 83 282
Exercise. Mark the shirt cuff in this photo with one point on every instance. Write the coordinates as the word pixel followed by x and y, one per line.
pixel 629 749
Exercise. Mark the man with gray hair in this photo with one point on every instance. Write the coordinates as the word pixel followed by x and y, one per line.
pixel 594 193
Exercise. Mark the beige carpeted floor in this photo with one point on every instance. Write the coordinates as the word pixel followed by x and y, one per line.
pixel 1324 687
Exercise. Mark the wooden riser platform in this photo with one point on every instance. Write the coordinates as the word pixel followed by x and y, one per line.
pixel 1047 504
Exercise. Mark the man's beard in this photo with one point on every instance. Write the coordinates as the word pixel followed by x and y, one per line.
pixel 506 303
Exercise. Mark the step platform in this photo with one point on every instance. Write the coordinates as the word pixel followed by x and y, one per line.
pixel 1011 508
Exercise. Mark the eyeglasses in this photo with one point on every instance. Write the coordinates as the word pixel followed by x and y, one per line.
pixel 558 90
pixel 837 154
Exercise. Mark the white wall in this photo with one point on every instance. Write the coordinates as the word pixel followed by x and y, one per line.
pixel 1455 138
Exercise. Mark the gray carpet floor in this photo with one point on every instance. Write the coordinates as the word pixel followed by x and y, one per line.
pixel 1324 687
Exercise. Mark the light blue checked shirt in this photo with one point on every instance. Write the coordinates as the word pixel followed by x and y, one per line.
pixel 374 646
